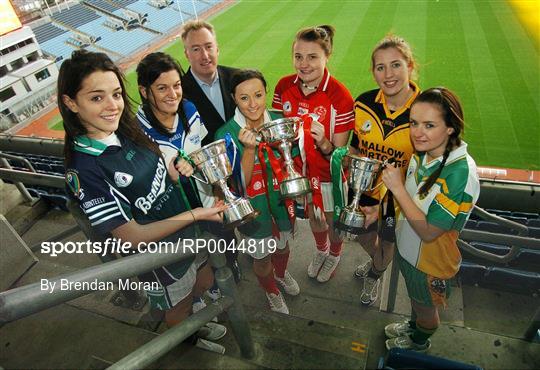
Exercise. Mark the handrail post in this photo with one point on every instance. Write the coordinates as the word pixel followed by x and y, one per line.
pixel 236 313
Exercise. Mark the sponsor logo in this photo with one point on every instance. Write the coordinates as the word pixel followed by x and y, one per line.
pixel 388 122
pixel 321 112
pixel 122 179
pixel 73 183
pixel 93 202
pixel 157 188
pixel 287 108
pixel 194 139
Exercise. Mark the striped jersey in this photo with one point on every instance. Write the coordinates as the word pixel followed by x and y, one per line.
pixel 117 183
pixel 447 205
pixel 332 102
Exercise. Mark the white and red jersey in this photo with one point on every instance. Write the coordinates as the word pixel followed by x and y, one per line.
pixel 332 102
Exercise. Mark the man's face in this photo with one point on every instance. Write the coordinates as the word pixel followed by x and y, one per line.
pixel 202 53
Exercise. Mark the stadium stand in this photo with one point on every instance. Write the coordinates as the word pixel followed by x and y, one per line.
pixel 75 17
pixel 47 31
pixel 160 19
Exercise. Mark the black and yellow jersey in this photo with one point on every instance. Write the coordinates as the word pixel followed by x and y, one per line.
pixel 380 133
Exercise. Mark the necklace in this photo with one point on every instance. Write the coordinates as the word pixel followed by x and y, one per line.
pixel 307 87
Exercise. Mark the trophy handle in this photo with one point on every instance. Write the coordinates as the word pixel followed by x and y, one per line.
pixel 204 181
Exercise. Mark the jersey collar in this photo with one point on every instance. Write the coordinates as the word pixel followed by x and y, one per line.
pixel 454 155
pixel 323 86
pixel 382 100
pixel 86 145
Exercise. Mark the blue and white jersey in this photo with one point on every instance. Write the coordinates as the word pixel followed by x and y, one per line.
pixel 179 139
pixel 169 145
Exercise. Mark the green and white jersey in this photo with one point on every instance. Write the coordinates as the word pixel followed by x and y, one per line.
pixel 447 206
pixel 255 191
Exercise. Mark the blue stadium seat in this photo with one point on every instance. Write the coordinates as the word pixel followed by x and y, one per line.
pixel 494 227
pixel 499 212
pixel 471 224
pixel 472 273
pixel 398 358
pixel 497 249
pixel 534 232
pixel 533 222
pixel 519 220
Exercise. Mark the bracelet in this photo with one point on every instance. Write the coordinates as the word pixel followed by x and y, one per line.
pixel 193 215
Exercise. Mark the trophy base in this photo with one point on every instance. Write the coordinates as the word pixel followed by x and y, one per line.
pixel 351 221
pixel 292 188
pixel 238 212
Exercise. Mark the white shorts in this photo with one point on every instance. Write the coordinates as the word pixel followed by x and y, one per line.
pixel 260 248
pixel 169 296
pixel 327 195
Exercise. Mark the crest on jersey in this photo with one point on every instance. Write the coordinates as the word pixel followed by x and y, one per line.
pixel 366 127
pixel 122 179
pixel 287 108
pixel 321 112
pixel 257 185
pixel 302 111
pixel 73 183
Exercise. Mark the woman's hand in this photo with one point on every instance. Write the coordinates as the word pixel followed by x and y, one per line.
pixel 372 215
pixel 214 213
pixel 184 167
pixel 248 138
pixel 392 178
pixel 317 133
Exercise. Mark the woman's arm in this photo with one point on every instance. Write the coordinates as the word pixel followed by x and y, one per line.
pixel 248 139
pixel 136 233
pixel 417 219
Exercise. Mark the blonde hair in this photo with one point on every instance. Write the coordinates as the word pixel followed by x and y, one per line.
pixel 195 25
pixel 398 43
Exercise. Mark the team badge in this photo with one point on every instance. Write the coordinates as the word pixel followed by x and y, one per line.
pixel 287 108
pixel 321 112
pixel 302 111
pixel 366 127
pixel 315 182
pixel 257 185
pixel 122 179
pixel 73 183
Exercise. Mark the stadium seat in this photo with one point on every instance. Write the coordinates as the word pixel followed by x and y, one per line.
pixel 497 249
pixel 533 222
pixel 471 273
pixel 499 212
pixel 517 280
pixel 519 220
pixel 534 232
pixel 471 224
pixel 494 227
pixel 526 215
pixel 398 358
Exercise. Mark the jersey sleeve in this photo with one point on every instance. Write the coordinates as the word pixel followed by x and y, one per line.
pixel 453 204
pixel 344 104
pixel 104 206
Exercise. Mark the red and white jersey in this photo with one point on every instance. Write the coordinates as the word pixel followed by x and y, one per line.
pixel 332 102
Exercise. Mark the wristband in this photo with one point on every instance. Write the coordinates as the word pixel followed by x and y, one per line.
pixel 193 215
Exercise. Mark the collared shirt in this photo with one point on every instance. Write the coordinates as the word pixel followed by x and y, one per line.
pixel 213 93
pixel 447 206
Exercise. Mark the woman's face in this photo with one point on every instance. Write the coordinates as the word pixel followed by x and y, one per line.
pixel 391 71
pixel 429 132
pixel 250 97
pixel 165 94
pixel 98 104
pixel 309 61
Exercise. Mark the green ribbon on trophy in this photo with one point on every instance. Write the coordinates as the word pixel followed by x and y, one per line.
pixel 337 183
pixel 182 154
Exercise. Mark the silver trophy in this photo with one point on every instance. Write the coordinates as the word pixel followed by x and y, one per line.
pixel 212 161
pixel 280 134
pixel 363 173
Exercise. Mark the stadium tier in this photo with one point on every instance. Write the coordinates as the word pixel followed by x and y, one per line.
pixel 113 25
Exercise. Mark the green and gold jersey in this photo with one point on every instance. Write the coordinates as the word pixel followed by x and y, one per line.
pixel 447 205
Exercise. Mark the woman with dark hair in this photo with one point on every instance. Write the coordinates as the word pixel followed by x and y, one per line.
pixel 119 178
pixel 311 90
pixel 172 122
pixel 382 132
pixel 267 237
pixel 436 199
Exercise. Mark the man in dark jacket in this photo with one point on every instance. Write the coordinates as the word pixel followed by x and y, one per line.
pixel 206 84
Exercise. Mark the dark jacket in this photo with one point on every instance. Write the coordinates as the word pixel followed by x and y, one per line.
pixel 210 116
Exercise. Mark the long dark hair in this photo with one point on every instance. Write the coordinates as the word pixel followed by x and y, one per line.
pixel 450 107
pixel 70 79
pixel 148 71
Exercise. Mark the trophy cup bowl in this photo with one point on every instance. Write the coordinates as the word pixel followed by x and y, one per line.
pixel 363 173
pixel 213 162
pixel 280 134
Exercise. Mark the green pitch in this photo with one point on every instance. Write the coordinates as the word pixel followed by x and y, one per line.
pixel 479 49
